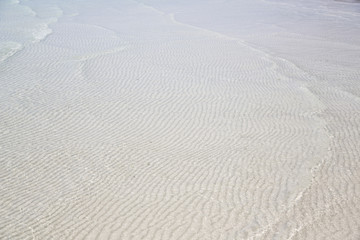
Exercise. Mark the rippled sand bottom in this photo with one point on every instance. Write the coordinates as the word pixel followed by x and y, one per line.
pixel 126 123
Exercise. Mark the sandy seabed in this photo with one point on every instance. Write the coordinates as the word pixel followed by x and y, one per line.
pixel 158 119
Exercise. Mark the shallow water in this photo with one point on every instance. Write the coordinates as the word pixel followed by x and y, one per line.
pixel 179 120
pixel 23 24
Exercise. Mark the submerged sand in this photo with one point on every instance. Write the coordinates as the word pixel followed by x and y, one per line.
pixel 192 120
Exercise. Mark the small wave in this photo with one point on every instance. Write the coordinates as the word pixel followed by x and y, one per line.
pixel 14 1
pixel 8 49
pixel 37 18
pixel 41 32
pixel 43 17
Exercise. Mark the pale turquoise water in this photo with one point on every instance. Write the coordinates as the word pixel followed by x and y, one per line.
pixel 165 119
pixel 23 23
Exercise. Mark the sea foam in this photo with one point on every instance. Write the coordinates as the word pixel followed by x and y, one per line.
pixel 34 27
pixel 8 49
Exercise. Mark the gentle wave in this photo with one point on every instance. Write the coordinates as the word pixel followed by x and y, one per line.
pixel 8 49
pixel 34 27
pixel 41 32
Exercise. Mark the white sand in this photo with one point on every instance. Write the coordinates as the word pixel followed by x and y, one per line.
pixel 192 120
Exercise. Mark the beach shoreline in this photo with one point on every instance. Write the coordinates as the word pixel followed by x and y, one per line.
pixel 187 120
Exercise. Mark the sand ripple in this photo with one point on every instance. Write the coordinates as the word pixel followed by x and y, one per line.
pixel 173 132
